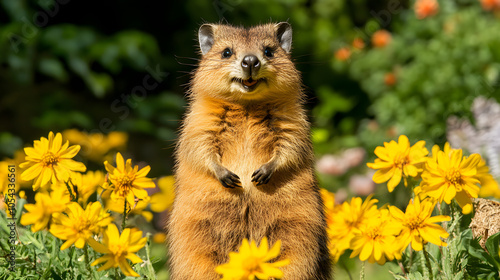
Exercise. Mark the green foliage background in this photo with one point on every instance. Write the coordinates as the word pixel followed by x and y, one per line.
pixel 68 64
pixel 64 64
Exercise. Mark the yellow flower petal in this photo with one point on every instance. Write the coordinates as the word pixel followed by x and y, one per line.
pixel 464 202
pixel 46 175
pixel 133 258
pixel 404 142
pixel 365 252
pixel 98 247
pixel 383 175
pixel 32 153
pixel 73 165
pixel 382 153
pixel 56 144
pixel 144 171
pixel 32 172
pixel 416 243
pixel 119 162
pixel 70 152
pixel 126 268
pixel 394 181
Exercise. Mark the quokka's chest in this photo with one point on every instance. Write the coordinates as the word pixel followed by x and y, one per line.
pixel 257 126
pixel 242 133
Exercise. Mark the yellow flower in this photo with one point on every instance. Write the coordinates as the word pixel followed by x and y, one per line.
pixel 10 199
pixel 489 186
pixel 4 177
pixel 127 182
pixel 418 225
pixel 84 185
pixel 22 195
pixel 96 146
pixel 39 214
pixel 376 239
pixel 50 160
pixel 79 225
pixel 449 176
pixel 159 238
pixel 347 220
pixel 398 159
pixel 118 248
pixel 19 158
pixel 330 210
pixel 328 201
pixel 251 262
pixel 4 172
pixel 163 199
pixel 137 208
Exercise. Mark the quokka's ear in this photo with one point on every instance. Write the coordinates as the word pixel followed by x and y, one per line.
pixel 284 35
pixel 206 37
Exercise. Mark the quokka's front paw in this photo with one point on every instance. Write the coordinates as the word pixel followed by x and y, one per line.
pixel 262 175
pixel 228 179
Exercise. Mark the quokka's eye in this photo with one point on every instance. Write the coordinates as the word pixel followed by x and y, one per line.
pixel 268 52
pixel 227 53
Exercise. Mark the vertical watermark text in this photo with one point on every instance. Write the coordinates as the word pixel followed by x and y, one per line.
pixel 10 202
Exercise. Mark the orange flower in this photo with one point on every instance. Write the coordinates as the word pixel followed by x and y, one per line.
pixel 489 5
pixel 358 43
pixel 390 79
pixel 381 38
pixel 426 8
pixel 343 54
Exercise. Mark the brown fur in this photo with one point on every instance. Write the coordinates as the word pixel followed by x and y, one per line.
pixel 228 129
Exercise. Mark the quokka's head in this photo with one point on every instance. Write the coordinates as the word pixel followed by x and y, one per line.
pixel 246 64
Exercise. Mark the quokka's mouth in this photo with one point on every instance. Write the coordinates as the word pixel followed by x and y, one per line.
pixel 249 84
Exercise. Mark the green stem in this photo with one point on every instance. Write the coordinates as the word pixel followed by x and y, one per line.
pixel 402 268
pixel 452 212
pixel 427 263
pixel 409 182
pixel 87 261
pixel 425 271
pixel 73 197
pixel 411 259
pixel 124 214
pixel 117 273
pixel 458 217
pixel 362 273
pixel 151 270
pixel 454 220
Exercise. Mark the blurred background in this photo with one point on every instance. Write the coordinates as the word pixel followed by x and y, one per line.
pixel 111 76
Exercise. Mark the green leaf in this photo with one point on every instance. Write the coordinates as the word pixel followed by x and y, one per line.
pixel 28 237
pixel 52 67
pixel 99 83
pixel 492 244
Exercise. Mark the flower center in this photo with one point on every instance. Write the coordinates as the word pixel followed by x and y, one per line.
pixel 373 233
pixel 454 177
pixel 118 251
pixel 49 159
pixel 82 225
pixel 252 265
pixel 400 161
pixel 124 184
pixel 414 223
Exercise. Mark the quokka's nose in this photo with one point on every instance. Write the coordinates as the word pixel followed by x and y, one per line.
pixel 250 64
